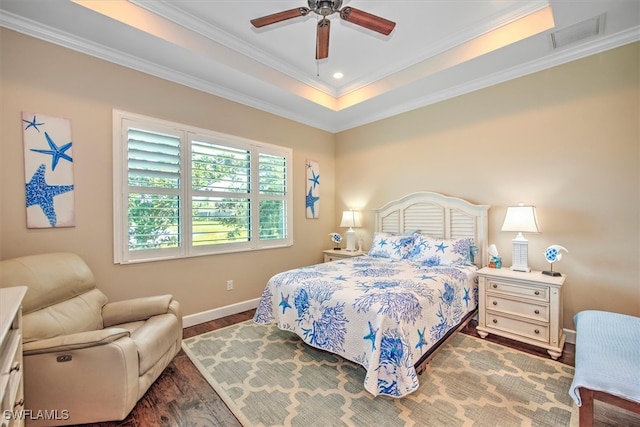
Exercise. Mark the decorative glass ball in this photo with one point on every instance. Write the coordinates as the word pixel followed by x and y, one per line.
pixel 551 254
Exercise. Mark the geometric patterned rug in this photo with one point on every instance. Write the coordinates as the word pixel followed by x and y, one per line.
pixel 269 377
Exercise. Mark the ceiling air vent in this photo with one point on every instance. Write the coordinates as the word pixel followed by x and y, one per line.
pixel 581 30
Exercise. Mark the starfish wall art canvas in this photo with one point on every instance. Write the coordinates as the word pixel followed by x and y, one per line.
pixel 313 189
pixel 48 169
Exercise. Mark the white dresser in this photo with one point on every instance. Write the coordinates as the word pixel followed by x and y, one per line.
pixel 526 307
pixel 11 391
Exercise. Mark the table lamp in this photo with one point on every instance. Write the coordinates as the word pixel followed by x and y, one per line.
pixel 351 219
pixel 521 219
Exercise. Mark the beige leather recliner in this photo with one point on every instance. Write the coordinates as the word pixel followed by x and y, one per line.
pixel 86 359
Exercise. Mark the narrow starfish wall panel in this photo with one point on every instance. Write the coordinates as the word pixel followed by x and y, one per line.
pixel 313 189
pixel 48 171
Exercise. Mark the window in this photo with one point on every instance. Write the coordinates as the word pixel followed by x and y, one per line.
pixel 180 191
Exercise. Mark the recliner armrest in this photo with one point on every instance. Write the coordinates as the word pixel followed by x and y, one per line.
pixel 74 341
pixel 115 313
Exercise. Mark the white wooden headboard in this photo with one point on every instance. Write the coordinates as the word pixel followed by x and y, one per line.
pixel 437 215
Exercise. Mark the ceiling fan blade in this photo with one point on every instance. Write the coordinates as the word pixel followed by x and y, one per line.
pixel 367 20
pixel 322 39
pixel 280 16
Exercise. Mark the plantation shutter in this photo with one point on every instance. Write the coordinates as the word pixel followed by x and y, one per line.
pixel 153 176
pixel 221 187
pixel 181 191
pixel 272 183
pixel 153 159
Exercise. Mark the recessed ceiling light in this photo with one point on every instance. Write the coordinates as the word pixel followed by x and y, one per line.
pixel 338 75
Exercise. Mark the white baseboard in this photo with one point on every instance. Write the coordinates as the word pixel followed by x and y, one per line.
pixel 570 335
pixel 217 313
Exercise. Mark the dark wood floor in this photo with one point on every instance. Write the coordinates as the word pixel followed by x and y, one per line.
pixel 182 397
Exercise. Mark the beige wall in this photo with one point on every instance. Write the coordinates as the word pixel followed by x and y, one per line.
pixel 565 139
pixel 43 78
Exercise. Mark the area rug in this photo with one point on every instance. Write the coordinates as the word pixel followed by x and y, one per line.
pixel 269 377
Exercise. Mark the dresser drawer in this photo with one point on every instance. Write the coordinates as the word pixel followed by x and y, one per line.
pixel 11 398
pixel 518 327
pixel 540 293
pixel 531 310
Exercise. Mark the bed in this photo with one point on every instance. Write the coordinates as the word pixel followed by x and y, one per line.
pixel 391 308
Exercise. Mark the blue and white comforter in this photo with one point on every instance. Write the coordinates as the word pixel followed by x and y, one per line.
pixel 383 314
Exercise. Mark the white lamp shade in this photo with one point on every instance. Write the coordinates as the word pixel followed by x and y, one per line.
pixel 521 219
pixel 351 218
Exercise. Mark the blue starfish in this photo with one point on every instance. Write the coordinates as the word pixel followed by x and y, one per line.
pixel 371 336
pixel 315 179
pixel 421 341
pixel 56 152
pixel 441 247
pixel 284 302
pixel 311 200
pixel 39 193
pixel 32 124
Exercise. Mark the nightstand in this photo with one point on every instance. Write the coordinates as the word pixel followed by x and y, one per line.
pixel 526 307
pixel 333 255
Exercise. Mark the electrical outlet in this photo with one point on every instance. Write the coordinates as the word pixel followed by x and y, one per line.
pixel 229 285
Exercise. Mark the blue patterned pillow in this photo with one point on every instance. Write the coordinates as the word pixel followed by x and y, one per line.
pixel 388 245
pixel 432 251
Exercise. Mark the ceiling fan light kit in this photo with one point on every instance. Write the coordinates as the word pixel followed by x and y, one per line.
pixel 324 9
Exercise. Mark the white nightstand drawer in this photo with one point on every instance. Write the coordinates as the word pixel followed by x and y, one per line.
pixel 540 293
pixel 539 312
pixel 518 327
pixel 336 255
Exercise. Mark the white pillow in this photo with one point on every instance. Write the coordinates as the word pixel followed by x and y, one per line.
pixel 434 251
pixel 389 245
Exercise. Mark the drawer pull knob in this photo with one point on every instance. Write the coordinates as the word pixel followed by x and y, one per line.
pixel 537 292
pixel 15 368
pixel 495 286
pixel 537 331
pixel 495 320
pixel 495 303
pixel 537 311
pixel 18 403
pixel 64 358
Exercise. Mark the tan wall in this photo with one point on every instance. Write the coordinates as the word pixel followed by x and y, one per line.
pixel 565 139
pixel 43 78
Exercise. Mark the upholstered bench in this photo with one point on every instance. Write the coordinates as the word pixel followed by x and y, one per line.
pixel 607 366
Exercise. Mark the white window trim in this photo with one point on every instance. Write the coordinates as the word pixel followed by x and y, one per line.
pixel 122 255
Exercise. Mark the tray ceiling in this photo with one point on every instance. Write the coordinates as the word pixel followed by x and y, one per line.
pixel 439 49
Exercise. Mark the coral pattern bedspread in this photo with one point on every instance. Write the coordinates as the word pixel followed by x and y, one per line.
pixel 381 313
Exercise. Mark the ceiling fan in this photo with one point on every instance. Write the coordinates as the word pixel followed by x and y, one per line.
pixel 324 9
